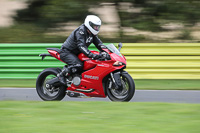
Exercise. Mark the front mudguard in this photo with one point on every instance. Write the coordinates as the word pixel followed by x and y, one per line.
pixel 117 79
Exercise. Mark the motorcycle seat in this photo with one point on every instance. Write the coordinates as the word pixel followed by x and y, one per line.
pixel 55 49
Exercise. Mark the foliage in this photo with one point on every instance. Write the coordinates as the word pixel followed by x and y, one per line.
pixel 48 13
pixel 33 22
pixel 26 33
pixel 153 11
pixel 140 22
pixel 185 35
pixel 180 10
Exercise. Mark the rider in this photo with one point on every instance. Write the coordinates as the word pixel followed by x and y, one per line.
pixel 78 42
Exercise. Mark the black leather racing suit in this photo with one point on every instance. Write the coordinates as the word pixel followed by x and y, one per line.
pixel 78 42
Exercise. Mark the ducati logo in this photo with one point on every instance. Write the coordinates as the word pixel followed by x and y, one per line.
pixel 91 77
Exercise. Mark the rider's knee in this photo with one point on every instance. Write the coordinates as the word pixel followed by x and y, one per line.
pixel 76 68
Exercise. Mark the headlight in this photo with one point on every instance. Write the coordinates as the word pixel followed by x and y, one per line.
pixel 117 63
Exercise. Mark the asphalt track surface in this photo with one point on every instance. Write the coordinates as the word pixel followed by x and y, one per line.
pixel 171 96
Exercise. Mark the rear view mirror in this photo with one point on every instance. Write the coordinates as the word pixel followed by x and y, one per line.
pixel 120 46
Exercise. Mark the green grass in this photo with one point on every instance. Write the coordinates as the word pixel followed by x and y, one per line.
pixel 148 84
pixel 168 84
pixel 98 117
pixel 17 83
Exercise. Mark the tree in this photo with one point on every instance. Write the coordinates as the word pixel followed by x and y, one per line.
pixel 185 11
pixel 48 13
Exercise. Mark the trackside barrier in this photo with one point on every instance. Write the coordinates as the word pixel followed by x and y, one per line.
pixel 144 60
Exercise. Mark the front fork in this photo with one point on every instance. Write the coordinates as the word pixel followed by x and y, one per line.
pixel 116 80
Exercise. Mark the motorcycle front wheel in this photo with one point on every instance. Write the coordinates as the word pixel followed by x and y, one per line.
pixel 123 94
pixel 46 92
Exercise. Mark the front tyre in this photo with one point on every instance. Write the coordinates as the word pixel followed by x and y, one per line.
pixel 123 94
pixel 49 93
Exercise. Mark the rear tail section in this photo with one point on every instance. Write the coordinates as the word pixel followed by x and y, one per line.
pixel 53 52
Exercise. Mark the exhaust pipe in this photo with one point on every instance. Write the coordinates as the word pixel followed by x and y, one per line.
pixel 75 94
pixel 86 91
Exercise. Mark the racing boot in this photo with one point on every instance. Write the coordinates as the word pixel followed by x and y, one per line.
pixel 61 76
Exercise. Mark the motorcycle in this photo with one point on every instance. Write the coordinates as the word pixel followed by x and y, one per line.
pixel 99 78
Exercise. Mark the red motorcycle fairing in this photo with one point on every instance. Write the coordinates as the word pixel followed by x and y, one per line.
pixel 95 71
pixel 55 54
pixel 88 63
pixel 92 79
pixel 115 57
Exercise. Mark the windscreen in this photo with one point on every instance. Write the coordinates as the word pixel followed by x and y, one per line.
pixel 113 49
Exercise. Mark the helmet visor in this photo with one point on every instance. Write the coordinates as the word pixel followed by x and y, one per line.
pixel 94 26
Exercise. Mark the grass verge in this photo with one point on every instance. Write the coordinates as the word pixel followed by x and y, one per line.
pixel 98 117
pixel 141 84
pixel 168 84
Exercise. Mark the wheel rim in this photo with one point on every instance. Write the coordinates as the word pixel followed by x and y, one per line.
pixel 123 92
pixel 51 91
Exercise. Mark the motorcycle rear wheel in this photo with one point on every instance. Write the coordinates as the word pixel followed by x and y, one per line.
pixel 49 94
pixel 124 94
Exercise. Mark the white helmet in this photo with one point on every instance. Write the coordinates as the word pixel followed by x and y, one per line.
pixel 93 23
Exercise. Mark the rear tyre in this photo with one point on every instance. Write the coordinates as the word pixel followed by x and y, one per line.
pixel 123 94
pixel 49 93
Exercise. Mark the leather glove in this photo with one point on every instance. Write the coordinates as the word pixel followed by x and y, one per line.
pixel 104 55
